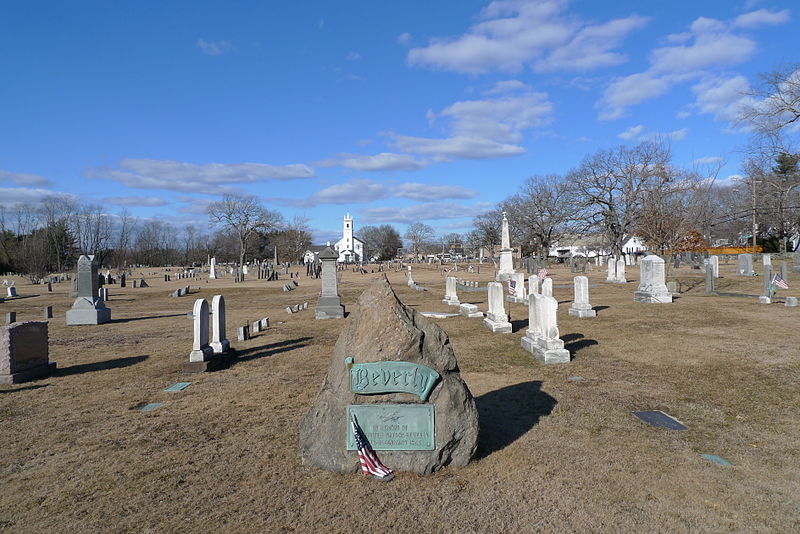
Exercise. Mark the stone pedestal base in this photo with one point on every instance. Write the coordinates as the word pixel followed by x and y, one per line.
pixel 582 312
pixel 791 302
pixel 764 300
pixel 503 277
pixel 498 327
pixel 652 298
pixel 222 346
pixel 40 371
pixel 516 300
pixel 329 308
pixel 470 310
pixel 544 351
pixel 615 281
pixel 217 362
pixel 451 302
pixel 79 316
pixel 202 355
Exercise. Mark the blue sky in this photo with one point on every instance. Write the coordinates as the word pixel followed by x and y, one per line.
pixel 394 111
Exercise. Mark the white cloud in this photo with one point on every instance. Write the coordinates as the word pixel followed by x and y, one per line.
pixel 385 161
pixel 722 97
pixel 481 129
pixel 211 178
pixel 683 115
pixel 761 18
pixel 215 48
pixel 417 191
pixel 10 196
pixel 513 33
pixel 638 134
pixel 134 200
pixel 404 39
pixel 707 160
pixel 418 212
pixel 631 133
pixel 353 56
pixel 714 45
pixel 507 86
pixel 456 147
pixel 353 192
pixel 20 178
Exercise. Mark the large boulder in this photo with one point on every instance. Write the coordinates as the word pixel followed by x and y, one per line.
pixel 383 329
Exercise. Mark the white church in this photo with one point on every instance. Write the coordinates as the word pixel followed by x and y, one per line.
pixel 349 247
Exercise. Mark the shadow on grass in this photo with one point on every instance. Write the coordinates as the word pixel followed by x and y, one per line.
pixel 23 388
pixel 268 350
pixel 116 363
pixel 575 342
pixel 519 324
pixel 600 308
pixel 508 413
pixel 143 318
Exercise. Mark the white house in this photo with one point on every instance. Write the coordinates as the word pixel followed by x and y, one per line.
pixel 634 245
pixel 349 247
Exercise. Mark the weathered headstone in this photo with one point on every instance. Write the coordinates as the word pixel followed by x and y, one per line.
pixel 395 371
pixel 11 317
pixel 496 319
pixel 745 265
pixel 122 280
pixel 24 352
pixel 784 271
pixel 533 285
pixel 547 287
pixel 88 308
pixel 713 261
pixel 243 333
pixel 219 342
pixel 330 304
pixel 470 310
pixel 450 294
pixel 709 279
pixel 652 288
pixel 766 259
pixel 11 292
pixel 580 303
pixel 542 337
pixel 201 351
pixel 212 268
pixel 519 295
pixel 47 313
pixel 791 302
pixel 767 289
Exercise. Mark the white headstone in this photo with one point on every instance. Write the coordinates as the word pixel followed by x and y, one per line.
pixel 547 287
pixel 713 261
pixel 766 259
pixel 496 319
pixel 652 288
pixel 744 266
pixel 11 291
pixel 219 342
pixel 450 295
pixel 201 351
pixel 506 261
pixel 533 285
pixel 542 337
pixel 580 303
pixel 520 294
pixel 212 269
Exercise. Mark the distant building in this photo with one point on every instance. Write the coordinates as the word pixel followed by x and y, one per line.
pixel 312 252
pixel 349 247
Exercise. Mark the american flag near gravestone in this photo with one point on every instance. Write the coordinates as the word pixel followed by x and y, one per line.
pixel 542 274
pixel 512 287
pixel 369 461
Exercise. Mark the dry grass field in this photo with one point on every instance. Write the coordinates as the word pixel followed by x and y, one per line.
pixel 556 454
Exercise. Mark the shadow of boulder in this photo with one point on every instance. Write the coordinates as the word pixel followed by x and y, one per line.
pixel 508 413
pixel 116 363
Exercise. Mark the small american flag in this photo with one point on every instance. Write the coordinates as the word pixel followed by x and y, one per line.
pixel 512 287
pixel 542 274
pixel 780 282
pixel 369 461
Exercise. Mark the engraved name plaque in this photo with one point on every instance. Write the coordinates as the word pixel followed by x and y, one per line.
pixel 393 427
pixel 391 377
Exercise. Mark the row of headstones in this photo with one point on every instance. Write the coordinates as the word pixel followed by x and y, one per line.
pixel 180 292
pixel 744 265
pixel 47 313
pixel 296 308
pixel 290 287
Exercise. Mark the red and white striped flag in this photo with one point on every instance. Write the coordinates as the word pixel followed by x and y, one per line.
pixel 512 287
pixel 369 461
pixel 542 274
pixel 780 282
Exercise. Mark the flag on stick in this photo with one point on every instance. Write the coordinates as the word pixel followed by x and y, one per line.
pixel 780 282
pixel 369 461
pixel 512 287
pixel 542 274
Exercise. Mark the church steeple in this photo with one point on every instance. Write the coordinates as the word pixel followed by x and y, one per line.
pixel 347 232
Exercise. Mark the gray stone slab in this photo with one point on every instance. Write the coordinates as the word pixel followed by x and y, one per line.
pixel 660 419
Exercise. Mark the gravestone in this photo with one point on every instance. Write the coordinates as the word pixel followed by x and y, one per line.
pixel 88 308
pixel 122 279
pixel 11 317
pixel 580 303
pixel 767 289
pixel 201 351
pixel 506 260
pixel 450 293
pixel 24 352
pixel 330 304
pixel 219 342
pixel 785 271
pixel 542 337
pixel 533 285
pixel 11 292
pixel 744 266
pixel 396 372
pixel 791 302
pixel 496 319
pixel 796 266
pixel 766 259
pixel 519 295
pixel 212 269
pixel 713 261
pixel 547 287
pixel 710 279
pixel 652 288
pixel 470 310
pixel 243 333
pixel 47 313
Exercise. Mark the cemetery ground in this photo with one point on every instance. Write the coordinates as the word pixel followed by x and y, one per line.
pixel 556 453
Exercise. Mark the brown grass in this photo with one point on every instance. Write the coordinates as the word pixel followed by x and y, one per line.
pixel 555 455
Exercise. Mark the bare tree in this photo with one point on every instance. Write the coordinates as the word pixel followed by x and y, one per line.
pixel 487 227
pixel 380 242
pixel 245 216
pixel 418 234
pixel 544 211
pixel 613 184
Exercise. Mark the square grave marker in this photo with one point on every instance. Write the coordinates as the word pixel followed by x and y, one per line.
pixel 179 386
pixel 151 406
pixel 660 419
pixel 716 459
